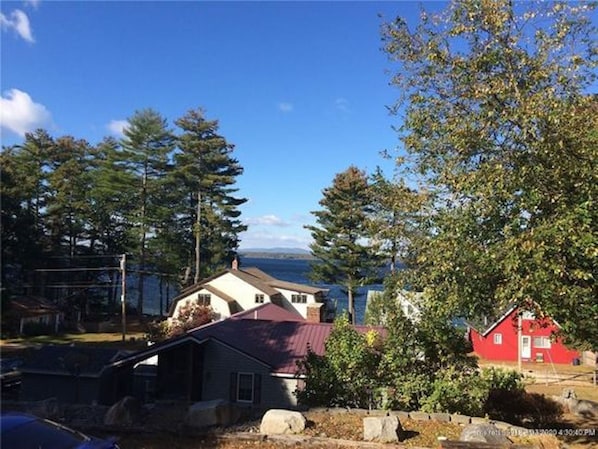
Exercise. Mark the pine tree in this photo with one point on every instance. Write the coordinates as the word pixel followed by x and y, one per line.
pixel 68 207
pixel 24 196
pixel 147 144
pixel 205 174
pixel 341 244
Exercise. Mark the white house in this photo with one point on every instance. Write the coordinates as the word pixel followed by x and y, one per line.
pixel 408 301
pixel 234 290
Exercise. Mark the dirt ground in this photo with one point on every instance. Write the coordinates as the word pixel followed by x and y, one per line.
pixel 348 426
pixel 340 426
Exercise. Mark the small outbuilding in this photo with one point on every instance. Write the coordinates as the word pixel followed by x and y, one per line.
pixel 72 374
pixel 34 314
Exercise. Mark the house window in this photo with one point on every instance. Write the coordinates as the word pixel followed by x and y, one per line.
pixel 245 387
pixel 498 339
pixel 259 298
pixel 527 315
pixel 204 299
pixel 299 299
pixel 542 342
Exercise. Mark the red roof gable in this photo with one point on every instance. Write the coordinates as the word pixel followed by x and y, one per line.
pixel 268 311
pixel 279 344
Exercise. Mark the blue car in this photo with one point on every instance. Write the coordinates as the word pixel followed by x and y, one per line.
pixel 23 431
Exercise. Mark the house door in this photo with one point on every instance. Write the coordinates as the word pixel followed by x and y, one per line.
pixel 526 347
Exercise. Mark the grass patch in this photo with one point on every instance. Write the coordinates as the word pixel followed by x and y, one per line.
pixel 588 392
pixel 133 341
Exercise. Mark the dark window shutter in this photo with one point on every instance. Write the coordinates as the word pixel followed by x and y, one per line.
pixel 233 387
pixel 257 388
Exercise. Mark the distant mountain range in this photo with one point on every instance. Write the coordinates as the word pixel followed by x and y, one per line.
pixel 287 253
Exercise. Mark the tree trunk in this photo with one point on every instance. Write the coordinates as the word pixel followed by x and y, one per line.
pixel 141 275
pixel 197 238
pixel 351 305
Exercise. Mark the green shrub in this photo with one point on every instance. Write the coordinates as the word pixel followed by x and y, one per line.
pixel 321 387
pixel 157 331
pixel 457 391
pixel 503 379
pixel 408 391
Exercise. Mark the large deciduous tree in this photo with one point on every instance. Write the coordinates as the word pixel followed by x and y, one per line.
pixel 499 122
pixel 346 255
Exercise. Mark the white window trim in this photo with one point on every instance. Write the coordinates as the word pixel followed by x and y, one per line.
pixel 299 298
pixel 252 387
pixel 202 297
pixel 497 339
pixel 543 339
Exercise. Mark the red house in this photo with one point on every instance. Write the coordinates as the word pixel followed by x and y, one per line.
pixel 498 340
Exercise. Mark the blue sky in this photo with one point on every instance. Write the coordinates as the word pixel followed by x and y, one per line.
pixel 300 88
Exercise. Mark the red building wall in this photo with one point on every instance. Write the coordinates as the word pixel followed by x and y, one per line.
pixel 504 348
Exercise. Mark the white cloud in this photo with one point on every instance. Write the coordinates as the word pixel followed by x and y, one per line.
pixel 342 104
pixel 285 107
pixel 20 114
pixel 32 3
pixel 268 220
pixel 116 127
pixel 19 22
pixel 268 240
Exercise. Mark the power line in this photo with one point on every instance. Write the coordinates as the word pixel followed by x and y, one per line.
pixel 85 257
pixel 47 270
pixel 81 285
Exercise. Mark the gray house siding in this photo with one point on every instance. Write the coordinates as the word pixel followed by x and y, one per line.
pixel 221 363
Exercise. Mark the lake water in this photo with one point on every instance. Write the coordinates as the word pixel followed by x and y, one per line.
pixel 291 270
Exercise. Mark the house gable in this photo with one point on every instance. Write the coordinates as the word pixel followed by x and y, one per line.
pixel 500 340
pixel 234 290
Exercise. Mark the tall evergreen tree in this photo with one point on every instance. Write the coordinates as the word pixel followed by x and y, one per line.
pixel 205 174
pixel 24 191
pixel 346 255
pixel 147 144
pixel 69 182
pixel 111 202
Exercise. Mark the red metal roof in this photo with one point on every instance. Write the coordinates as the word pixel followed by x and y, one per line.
pixel 268 311
pixel 279 344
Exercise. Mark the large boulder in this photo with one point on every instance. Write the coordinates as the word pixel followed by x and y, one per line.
pixel 382 429
pixel 210 413
pixel 579 407
pixel 277 421
pixel 484 433
pixel 126 412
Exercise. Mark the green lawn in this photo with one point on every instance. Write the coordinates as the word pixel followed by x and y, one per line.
pixel 133 341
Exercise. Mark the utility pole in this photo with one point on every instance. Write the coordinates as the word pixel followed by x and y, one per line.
pixel 123 288
pixel 519 342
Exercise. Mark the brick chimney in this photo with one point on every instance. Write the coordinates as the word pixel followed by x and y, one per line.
pixel 314 312
pixel 235 264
